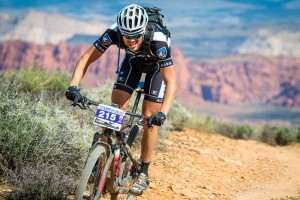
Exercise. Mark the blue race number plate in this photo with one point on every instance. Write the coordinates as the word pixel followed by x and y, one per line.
pixel 110 117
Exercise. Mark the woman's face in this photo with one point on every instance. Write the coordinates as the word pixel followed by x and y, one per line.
pixel 133 44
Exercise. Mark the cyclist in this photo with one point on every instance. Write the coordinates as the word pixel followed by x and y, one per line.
pixel 160 81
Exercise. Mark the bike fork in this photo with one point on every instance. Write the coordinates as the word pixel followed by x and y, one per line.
pixel 117 168
pixel 104 173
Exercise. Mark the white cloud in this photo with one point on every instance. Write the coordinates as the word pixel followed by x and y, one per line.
pixel 266 42
pixel 199 5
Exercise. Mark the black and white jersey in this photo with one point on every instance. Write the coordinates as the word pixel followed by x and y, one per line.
pixel 160 48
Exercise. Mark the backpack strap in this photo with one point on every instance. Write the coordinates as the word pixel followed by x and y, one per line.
pixel 150 29
pixel 120 45
pixel 155 18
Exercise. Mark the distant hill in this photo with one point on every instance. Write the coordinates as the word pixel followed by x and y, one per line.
pixel 44 28
pixel 196 42
pixel 235 79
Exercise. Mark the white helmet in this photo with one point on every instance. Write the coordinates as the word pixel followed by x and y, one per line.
pixel 132 20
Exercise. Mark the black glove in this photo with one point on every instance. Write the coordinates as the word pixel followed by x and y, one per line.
pixel 157 119
pixel 72 93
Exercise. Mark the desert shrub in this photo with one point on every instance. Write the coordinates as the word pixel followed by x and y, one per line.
pixel 35 80
pixel 267 135
pixel 179 116
pixel 56 84
pixel 284 135
pixel 244 132
pixel 199 122
pixel 224 129
pixel 276 135
pixel 32 184
pixel 298 134
pixel 34 134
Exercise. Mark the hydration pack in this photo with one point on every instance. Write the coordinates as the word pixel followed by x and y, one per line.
pixel 155 18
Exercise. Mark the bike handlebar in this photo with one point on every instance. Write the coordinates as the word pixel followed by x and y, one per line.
pixel 84 103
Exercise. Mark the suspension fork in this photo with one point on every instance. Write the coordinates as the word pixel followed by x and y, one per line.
pixel 107 165
pixel 116 167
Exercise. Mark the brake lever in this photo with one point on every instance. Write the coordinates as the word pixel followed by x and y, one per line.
pixel 81 103
pixel 81 106
pixel 141 121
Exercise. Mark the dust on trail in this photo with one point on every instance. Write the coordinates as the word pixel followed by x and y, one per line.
pixel 207 166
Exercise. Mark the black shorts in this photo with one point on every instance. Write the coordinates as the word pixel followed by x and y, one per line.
pixel 131 73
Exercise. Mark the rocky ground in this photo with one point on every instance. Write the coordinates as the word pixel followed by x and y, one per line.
pixel 198 165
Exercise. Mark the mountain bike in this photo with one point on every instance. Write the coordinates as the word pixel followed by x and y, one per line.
pixel 111 168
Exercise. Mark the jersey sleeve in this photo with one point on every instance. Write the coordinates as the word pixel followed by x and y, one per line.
pixel 161 49
pixel 108 38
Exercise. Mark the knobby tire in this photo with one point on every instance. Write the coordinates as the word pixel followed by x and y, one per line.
pixel 87 171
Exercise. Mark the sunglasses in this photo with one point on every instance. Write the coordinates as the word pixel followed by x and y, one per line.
pixel 136 36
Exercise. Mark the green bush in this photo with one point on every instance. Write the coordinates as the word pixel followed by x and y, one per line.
pixel 200 123
pixel 298 134
pixel 35 80
pixel 179 116
pixel 275 135
pixel 34 134
pixel 244 132
pixel 284 135
pixel 227 130
pixel 267 135
pixel 43 182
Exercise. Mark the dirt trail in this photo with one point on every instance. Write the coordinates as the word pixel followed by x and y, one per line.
pixel 221 168
pixel 207 166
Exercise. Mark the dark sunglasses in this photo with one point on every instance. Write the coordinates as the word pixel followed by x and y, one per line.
pixel 136 36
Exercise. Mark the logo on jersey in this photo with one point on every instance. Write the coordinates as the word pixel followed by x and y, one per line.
pixel 162 53
pixel 106 39
pixel 154 92
pixel 166 64
pixel 121 79
pixel 98 46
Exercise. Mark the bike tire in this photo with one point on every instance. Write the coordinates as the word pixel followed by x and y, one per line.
pixel 93 157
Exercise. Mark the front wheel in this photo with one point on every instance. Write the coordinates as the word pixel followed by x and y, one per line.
pixel 92 171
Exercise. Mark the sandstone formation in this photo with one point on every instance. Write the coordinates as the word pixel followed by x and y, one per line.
pixel 233 79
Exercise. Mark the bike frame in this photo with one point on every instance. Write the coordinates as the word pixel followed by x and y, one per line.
pixel 117 149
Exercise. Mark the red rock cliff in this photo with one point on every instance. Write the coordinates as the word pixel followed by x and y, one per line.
pixel 234 79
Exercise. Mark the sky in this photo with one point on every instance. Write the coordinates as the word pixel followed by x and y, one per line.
pixel 215 25
pixel 241 10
